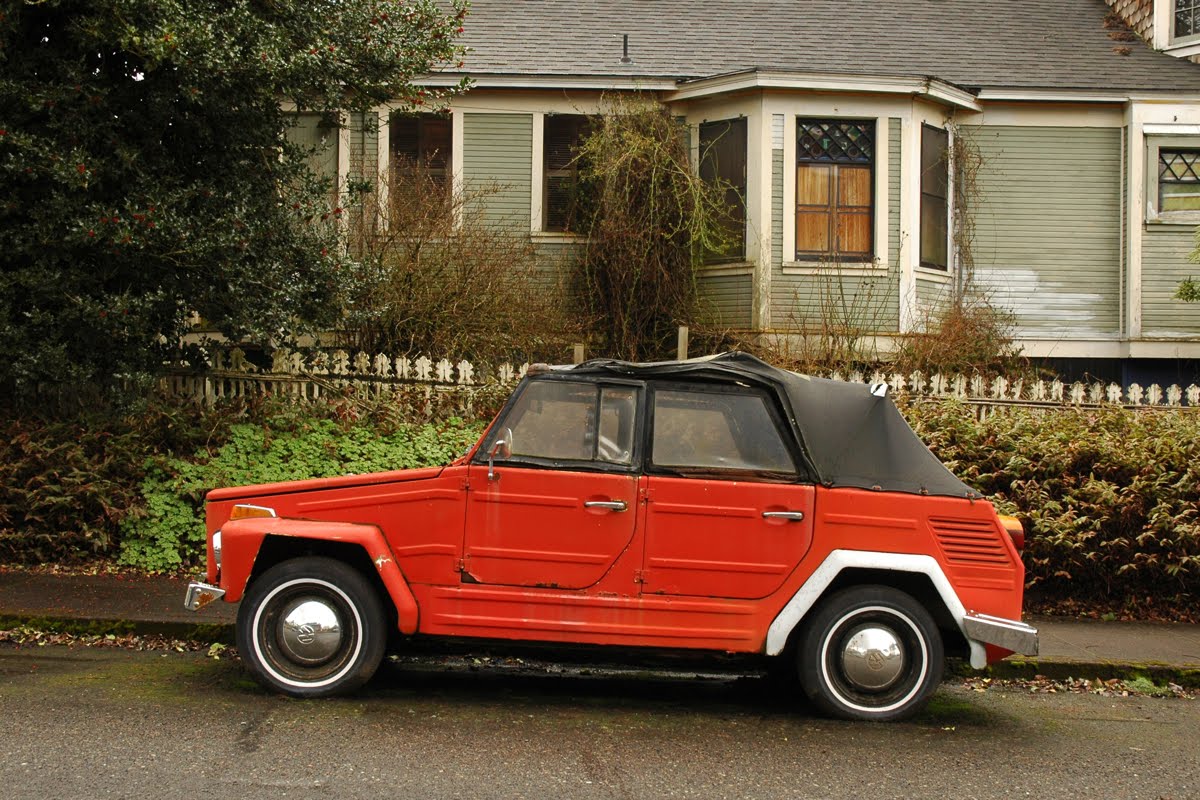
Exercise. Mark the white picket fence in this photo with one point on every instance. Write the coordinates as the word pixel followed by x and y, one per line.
pixel 313 374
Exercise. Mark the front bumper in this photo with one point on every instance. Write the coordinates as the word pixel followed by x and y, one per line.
pixel 201 594
pixel 1009 634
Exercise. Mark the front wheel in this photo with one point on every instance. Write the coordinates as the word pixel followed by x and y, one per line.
pixel 870 653
pixel 311 627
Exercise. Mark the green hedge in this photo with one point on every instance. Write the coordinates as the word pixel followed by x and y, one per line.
pixel 1112 495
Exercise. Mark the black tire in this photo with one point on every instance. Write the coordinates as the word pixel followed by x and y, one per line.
pixel 336 635
pixel 870 653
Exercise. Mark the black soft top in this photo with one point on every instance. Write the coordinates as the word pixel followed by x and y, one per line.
pixel 850 436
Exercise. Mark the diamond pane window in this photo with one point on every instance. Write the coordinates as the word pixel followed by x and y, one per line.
pixel 837 141
pixel 1178 180
pixel 835 168
pixel 1187 18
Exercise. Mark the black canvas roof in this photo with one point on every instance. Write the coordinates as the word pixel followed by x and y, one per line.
pixel 850 436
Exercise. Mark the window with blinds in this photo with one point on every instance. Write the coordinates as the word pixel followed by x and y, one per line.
pixel 562 193
pixel 421 146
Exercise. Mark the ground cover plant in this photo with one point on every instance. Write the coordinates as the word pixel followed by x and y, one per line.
pixel 128 485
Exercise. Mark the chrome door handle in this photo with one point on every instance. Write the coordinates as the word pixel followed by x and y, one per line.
pixel 791 516
pixel 612 505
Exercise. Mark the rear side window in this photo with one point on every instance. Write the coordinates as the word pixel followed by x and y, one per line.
pixel 710 430
pixel 568 421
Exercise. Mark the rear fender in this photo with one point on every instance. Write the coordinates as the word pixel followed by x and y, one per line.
pixel 241 541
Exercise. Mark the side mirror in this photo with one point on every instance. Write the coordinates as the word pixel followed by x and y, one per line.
pixel 501 449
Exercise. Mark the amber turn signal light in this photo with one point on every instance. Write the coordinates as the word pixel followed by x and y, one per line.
pixel 248 512
pixel 1015 530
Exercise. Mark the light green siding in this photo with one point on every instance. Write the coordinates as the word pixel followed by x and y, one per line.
pixel 932 296
pixel 498 166
pixel 319 141
pixel 364 162
pixel 364 147
pixel 1165 249
pixel 852 299
pixel 776 209
pixel 1047 227
pixel 727 301
pixel 554 263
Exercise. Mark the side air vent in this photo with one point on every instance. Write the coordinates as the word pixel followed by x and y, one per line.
pixel 970 542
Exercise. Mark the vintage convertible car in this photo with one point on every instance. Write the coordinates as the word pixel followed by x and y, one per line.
pixel 716 504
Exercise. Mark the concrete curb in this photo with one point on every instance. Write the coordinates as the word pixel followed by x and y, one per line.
pixel 202 633
pixel 1024 669
pixel 1015 667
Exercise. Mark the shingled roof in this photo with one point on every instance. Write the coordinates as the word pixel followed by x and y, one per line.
pixel 974 44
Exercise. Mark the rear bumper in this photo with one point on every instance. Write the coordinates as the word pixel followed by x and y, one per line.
pixel 201 594
pixel 1009 634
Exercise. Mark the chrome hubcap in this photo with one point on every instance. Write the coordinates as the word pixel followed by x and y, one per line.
pixel 873 658
pixel 310 631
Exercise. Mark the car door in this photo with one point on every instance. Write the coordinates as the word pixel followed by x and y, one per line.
pixel 728 512
pixel 557 503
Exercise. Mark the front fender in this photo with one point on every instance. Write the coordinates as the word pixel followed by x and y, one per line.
pixel 242 539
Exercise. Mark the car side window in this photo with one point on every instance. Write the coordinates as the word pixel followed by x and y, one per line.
pixel 721 430
pixel 571 421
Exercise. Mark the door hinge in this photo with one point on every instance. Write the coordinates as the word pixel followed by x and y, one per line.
pixel 639 576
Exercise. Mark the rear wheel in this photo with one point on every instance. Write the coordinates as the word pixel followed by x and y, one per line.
pixel 870 653
pixel 311 627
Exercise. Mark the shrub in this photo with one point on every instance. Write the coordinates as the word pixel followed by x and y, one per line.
pixel 65 484
pixel 967 335
pixel 1112 495
pixel 650 221
pixel 439 279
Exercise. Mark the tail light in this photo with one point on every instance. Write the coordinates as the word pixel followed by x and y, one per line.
pixel 1016 531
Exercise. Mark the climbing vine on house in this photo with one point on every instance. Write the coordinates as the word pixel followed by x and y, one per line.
pixel 649 221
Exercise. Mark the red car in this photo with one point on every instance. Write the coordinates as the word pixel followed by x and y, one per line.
pixel 713 504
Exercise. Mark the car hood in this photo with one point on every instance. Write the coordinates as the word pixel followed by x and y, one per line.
pixel 266 490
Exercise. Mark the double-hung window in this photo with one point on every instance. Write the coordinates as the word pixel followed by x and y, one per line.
pixel 420 147
pixel 1186 19
pixel 935 189
pixel 563 200
pixel 723 160
pixel 835 210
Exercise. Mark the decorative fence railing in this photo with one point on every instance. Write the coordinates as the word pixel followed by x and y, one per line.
pixel 314 374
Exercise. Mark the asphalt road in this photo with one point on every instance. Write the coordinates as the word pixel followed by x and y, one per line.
pixel 94 723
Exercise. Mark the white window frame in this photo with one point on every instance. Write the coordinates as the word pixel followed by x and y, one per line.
pixel 951 252
pixel 1171 35
pixel 1155 142
pixel 879 211
pixel 537 211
